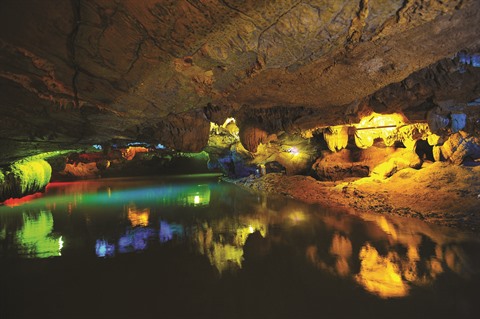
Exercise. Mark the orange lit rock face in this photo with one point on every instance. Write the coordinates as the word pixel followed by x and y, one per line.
pixel 381 162
pixel 130 152
pixel 82 72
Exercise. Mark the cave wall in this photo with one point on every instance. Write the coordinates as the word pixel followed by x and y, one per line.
pixel 80 72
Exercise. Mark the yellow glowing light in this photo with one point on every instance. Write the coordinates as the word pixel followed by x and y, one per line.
pixel 138 217
pixel 377 126
pixel 229 125
pixel 196 200
pixel 225 250
pixel 294 151
pixel 387 227
pixel 380 275
pixel 243 232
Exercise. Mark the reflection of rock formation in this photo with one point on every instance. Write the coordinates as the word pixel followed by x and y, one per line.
pixel 35 239
pixel 401 265
pixel 222 241
pixel 169 230
pixel 135 240
pixel 380 275
pixel 138 217
pixel 104 249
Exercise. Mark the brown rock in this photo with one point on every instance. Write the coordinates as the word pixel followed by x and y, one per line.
pixel 459 147
pixel 251 136
pixel 187 132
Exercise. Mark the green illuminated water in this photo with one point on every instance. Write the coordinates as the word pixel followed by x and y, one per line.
pixel 194 247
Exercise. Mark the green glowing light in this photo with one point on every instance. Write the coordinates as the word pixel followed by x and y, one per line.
pixel 35 237
pixel 198 195
pixel 30 176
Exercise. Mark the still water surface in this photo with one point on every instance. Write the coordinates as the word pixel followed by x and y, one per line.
pixel 193 247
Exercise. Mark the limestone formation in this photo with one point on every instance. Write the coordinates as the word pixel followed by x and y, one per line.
pixel 397 162
pixel 24 178
pixel 336 137
pixel 460 147
pixel 83 72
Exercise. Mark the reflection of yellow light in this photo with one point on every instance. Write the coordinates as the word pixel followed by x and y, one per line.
pixel 223 243
pixel 380 275
pixel 297 217
pixel 341 246
pixel 138 217
pixel 196 199
pixel 386 226
pixel 243 232
pixel 226 255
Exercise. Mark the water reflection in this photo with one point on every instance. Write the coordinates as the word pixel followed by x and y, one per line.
pixel 138 217
pixel 222 241
pixel 36 239
pixel 229 227
pixel 104 249
pixel 413 254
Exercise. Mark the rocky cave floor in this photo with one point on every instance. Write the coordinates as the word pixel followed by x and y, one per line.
pixel 438 193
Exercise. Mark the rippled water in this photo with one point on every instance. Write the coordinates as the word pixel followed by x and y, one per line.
pixel 194 247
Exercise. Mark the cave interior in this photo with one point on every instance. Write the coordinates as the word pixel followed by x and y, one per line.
pixel 337 91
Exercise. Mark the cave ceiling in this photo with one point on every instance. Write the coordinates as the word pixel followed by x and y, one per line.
pixel 95 71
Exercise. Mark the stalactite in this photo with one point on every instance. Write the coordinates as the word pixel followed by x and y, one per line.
pixel 336 137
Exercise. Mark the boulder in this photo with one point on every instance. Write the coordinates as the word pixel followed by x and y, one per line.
pixel 374 161
pixel 459 147
pixel 399 160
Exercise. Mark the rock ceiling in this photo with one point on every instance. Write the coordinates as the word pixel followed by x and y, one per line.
pixel 91 71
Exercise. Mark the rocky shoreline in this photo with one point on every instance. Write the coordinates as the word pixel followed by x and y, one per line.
pixel 438 193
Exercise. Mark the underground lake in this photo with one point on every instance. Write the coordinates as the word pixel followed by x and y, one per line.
pixel 193 246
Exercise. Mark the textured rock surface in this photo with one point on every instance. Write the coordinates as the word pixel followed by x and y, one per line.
pixel 86 71
pixel 438 193
pixel 460 147
pixel 396 162
pixel 24 178
pixel 374 161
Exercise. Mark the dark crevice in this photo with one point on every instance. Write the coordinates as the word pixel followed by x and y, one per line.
pixel 240 13
pixel 72 48
pixel 76 9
